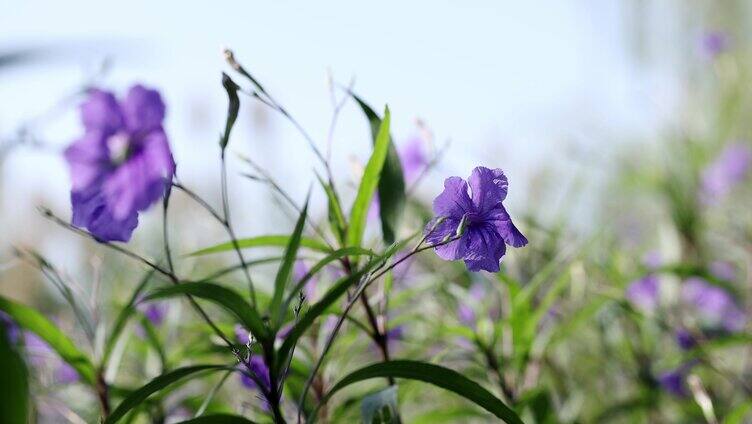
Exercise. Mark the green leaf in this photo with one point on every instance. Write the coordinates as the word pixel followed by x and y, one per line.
pixel 222 296
pixel 436 375
pixel 219 419
pixel 232 109
pixel 368 184
pixel 336 216
pixel 285 269
pixel 392 181
pixel 337 254
pixel 14 390
pixel 157 384
pixel 31 320
pixel 263 241
pixel 738 413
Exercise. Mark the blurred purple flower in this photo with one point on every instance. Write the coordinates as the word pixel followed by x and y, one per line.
pixel 488 225
pixel 714 305
pixel 685 339
pixel 260 370
pixel 643 293
pixel 466 315
pixel 300 269
pixel 155 312
pixel 413 158
pixel 726 171
pixel 242 335
pixel 723 270
pixel 66 374
pixel 714 42
pixel 674 382
pixel 39 354
pixel 121 165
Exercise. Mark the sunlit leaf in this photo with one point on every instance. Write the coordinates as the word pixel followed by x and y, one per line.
pixel 285 268
pixel 368 184
pixel 392 181
pixel 35 322
pixel 263 241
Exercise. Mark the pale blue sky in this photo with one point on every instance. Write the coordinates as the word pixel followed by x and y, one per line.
pixel 511 84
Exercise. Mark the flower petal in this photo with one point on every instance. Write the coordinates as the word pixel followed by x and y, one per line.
pixel 485 248
pixel 88 159
pixel 436 234
pixel 488 186
pixel 142 179
pixel 101 112
pixel 505 227
pixel 454 201
pixel 143 109
pixel 90 211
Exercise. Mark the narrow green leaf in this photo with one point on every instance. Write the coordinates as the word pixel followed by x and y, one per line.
pixel 336 216
pixel 436 375
pixel 157 384
pixel 368 184
pixel 31 320
pixel 285 269
pixel 263 241
pixel 232 109
pixel 14 390
pixel 222 296
pixel 392 181
pixel 219 419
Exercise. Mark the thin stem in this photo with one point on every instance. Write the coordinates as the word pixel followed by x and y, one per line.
pixel 367 280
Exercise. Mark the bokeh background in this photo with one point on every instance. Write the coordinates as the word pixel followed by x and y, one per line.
pixel 583 104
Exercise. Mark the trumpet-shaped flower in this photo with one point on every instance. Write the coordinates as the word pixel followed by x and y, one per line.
pixel 121 165
pixel 488 226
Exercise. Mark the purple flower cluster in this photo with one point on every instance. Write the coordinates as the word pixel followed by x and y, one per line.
pixel 489 227
pixel 725 172
pixel 121 165
pixel 715 307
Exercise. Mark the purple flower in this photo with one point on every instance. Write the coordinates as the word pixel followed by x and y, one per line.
pixel 643 293
pixel 713 43
pixel 726 171
pixel 299 271
pixel 685 339
pixel 242 335
pixel 40 354
pixel 716 308
pixel 488 225
pixel 121 165
pixel 652 260
pixel 155 312
pixel 66 374
pixel 413 158
pixel 674 382
pixel 260 370
pixel 466 315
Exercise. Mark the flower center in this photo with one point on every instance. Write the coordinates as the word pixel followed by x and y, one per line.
pixel 119 147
